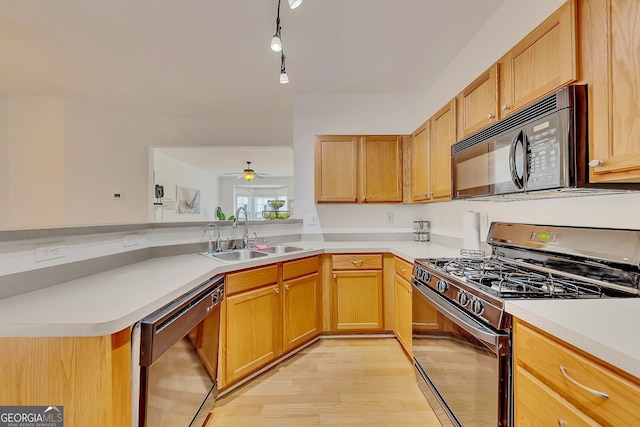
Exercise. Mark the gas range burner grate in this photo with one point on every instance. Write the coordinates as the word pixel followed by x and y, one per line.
pixel 510 281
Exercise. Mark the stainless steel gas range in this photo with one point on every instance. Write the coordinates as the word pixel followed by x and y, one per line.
pixel 461 333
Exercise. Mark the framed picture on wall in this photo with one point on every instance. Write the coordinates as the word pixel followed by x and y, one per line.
pixel 188 200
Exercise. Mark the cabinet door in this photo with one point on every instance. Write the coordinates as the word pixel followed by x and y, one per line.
pixel 610 37
pixel 357 300
pixel 251 338
pixel 208 343
pixel 420 164
pixel 443 136
pixel 336 169
pixel 403 311
pixel 381 169
pixel 424 316
pixel 543 61
pixel 478 103
pixel 301 311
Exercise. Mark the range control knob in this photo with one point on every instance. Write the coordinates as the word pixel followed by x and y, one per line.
pixel 425 276
pixel 463 298
pixel 477 306
pixel 442 286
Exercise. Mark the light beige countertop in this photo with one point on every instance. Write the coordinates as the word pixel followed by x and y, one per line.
pixel 606 328
pixel 107 302
pixel 113 300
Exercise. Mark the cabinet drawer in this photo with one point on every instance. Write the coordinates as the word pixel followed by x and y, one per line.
pixel 300 267
pixel 547 359
pixel 403 268
pixel 249 279
pixel 536 404
pixel 357 262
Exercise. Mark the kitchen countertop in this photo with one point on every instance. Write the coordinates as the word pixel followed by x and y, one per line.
pixel 113 300
pixel 605 328
pixel 107 302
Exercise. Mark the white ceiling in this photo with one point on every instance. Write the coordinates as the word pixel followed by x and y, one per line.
pixel 211 58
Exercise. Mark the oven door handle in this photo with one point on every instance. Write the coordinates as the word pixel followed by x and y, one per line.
pixel 476 329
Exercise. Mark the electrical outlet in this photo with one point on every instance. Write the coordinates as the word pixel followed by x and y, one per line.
pixel 50 251
pixel 310 220
pixel 132 239
pixel 389 218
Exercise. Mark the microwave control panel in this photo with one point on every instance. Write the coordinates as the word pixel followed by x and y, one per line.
pixel 546 157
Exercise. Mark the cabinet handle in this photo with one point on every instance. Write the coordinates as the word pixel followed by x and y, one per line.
pixel 584 387
pixel 335 276
pixel 286 287
pixel 410 291
pixel 561 422
pixel 490 116
pixel 595 163
pixel 505 107
pixel 403 270
pixel 277 290
pixel 364 198
pixel 357 262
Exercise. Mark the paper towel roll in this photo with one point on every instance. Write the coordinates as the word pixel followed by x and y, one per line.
pixel 471 231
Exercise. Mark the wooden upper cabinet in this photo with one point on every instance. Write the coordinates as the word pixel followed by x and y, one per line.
pixel 543 61
pixel 358 169
pixel 442 137
pixel 419 152
pixel 610 65
pixel 381 169
pixel 336 169
pixel 478 103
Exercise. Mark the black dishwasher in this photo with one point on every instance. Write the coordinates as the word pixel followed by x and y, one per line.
pixel 176 347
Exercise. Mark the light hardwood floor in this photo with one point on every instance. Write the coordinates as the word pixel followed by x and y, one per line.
pixel 333 383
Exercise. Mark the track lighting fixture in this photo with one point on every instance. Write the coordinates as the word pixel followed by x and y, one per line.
pixel 283 70
pixel 276 41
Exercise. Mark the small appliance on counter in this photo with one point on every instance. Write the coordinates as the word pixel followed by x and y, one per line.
pixel 421 231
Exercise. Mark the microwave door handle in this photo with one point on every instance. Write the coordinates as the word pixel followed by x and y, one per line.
pixel 517 180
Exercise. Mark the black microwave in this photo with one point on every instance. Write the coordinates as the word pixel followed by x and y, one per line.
pixel 539 151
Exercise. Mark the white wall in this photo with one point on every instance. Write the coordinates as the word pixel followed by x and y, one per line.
pixel 36 163
pixel 4 159
pixel 105 153
pixel 171 173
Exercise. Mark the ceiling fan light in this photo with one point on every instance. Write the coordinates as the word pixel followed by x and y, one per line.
pixel 276 43
pixel 294 3
pixel 284 79
pixel 248 174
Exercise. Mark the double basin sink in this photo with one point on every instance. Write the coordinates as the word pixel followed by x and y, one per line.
pixel 247 254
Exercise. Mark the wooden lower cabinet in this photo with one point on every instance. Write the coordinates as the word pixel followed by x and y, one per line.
pixel 357 300
pixel 302 317
pixel 557 384
pixel 403 297
pixel 274 309
pixel 89 376
pixel 252 330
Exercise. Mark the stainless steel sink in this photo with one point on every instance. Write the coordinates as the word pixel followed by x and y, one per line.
pixel 280 249
pixel 237 255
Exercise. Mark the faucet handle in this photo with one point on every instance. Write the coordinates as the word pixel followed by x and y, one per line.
pixel 252 240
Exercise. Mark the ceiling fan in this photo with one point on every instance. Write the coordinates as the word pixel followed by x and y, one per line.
pixel 249 173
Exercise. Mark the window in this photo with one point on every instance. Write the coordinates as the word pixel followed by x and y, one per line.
pixel 255 198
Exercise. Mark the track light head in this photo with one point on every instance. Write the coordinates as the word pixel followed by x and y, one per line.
pixel 294 3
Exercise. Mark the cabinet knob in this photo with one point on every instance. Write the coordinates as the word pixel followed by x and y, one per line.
pixel 504 107
pixel 277 290
pixel 286 287
pixel 335 276
pixel 595 163
pixel 403 270
pixel 490 116
pixel 364 198
pixel 409 290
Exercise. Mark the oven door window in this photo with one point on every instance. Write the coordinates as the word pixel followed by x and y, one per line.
pixel 465 372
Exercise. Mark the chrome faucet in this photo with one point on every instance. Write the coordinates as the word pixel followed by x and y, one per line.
pixel 246 241
pixel 207 229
